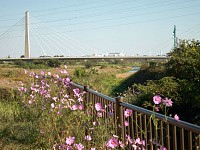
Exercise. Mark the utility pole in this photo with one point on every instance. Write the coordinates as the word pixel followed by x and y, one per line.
pixel 174 37
pixel 27 41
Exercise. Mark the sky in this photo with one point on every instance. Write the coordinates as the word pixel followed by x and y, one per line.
pixel 86 27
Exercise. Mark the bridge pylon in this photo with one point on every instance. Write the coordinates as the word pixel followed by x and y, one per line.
pixel 27 39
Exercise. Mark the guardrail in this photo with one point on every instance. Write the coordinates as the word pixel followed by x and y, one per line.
pixel 166 131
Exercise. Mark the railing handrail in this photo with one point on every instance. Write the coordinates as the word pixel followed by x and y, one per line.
pixel 178 123
pixel 182 124
pixel 94 92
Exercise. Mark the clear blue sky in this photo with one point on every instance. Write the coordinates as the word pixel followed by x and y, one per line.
pixel 83 27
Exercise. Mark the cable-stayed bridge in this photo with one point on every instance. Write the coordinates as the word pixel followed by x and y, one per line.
pixel 33 38
pixel 39 39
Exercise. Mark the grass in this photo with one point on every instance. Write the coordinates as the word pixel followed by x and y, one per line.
pixel 17 131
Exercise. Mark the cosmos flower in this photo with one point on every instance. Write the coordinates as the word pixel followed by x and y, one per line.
pixel 128 112
pixel 176 117
pixel 167 102
pixel 157 99
pixel 112 143
pixel 70 140
pixel 98 106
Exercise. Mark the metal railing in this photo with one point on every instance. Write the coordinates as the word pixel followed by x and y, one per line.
pixel 154 128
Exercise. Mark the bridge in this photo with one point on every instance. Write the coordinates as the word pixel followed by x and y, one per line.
pixel 51 43
pixel 92 57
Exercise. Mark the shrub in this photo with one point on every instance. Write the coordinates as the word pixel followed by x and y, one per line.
pixel 53 63
pixel 80 72
pixel 20 63
pixel 88 64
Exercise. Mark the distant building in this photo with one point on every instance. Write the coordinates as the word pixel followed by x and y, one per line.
pixel 115 54
pixel 98 55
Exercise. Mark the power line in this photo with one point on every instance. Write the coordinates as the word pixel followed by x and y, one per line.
pixel 128 9
pixel 122 24
pixel 116 18
pixel 74 5
pixel 115 11
pixel 88 8
pixel 188 31
pixel 38 11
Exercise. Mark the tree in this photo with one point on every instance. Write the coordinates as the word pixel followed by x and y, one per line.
pixel 184 64
pixel 184 61
pixel 182 82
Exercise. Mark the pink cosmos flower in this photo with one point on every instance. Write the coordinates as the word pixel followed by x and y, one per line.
pixel 92 148
pixel 99 114
pixel 157 99
pixel 128 112
pixel 128 139
pixel 52 105
pixel 121 144
pixel 68 79
pixel 156 108
pixel 76 91
pixel 140 142
pixel 126 123
pixel 94 123
pixel 98 106
pixel 49 73
pixel 167 102
pixel 80 99
pixel 176 117
pixel 25 71
pixel 68 148
pixel 32 74
pixel 56 76
pixel 30 102
pixel 42 73
pixel 54 98
pixel 70 140
pixel 33 89
pixel 79 146
pixel 88 138
pixel 162 148
pixel 64 72
pixel 112 143
pixel 74 107
pixel 81 107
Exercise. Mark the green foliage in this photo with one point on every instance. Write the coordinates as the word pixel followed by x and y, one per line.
pixel 88 64
pixel 144 74
pixel 181 82
pixel 184 64
pixel 167 86
pixel 53 63
pixel 20 63
pixel 18 127
pixel 103 67
pixel 38 64
pixel 35 64
pixel 93 71
pixel 184 61
pixel 80 72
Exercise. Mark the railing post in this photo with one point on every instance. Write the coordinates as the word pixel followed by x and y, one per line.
pixel 85 89
pixel 120 118
pixel 85 103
